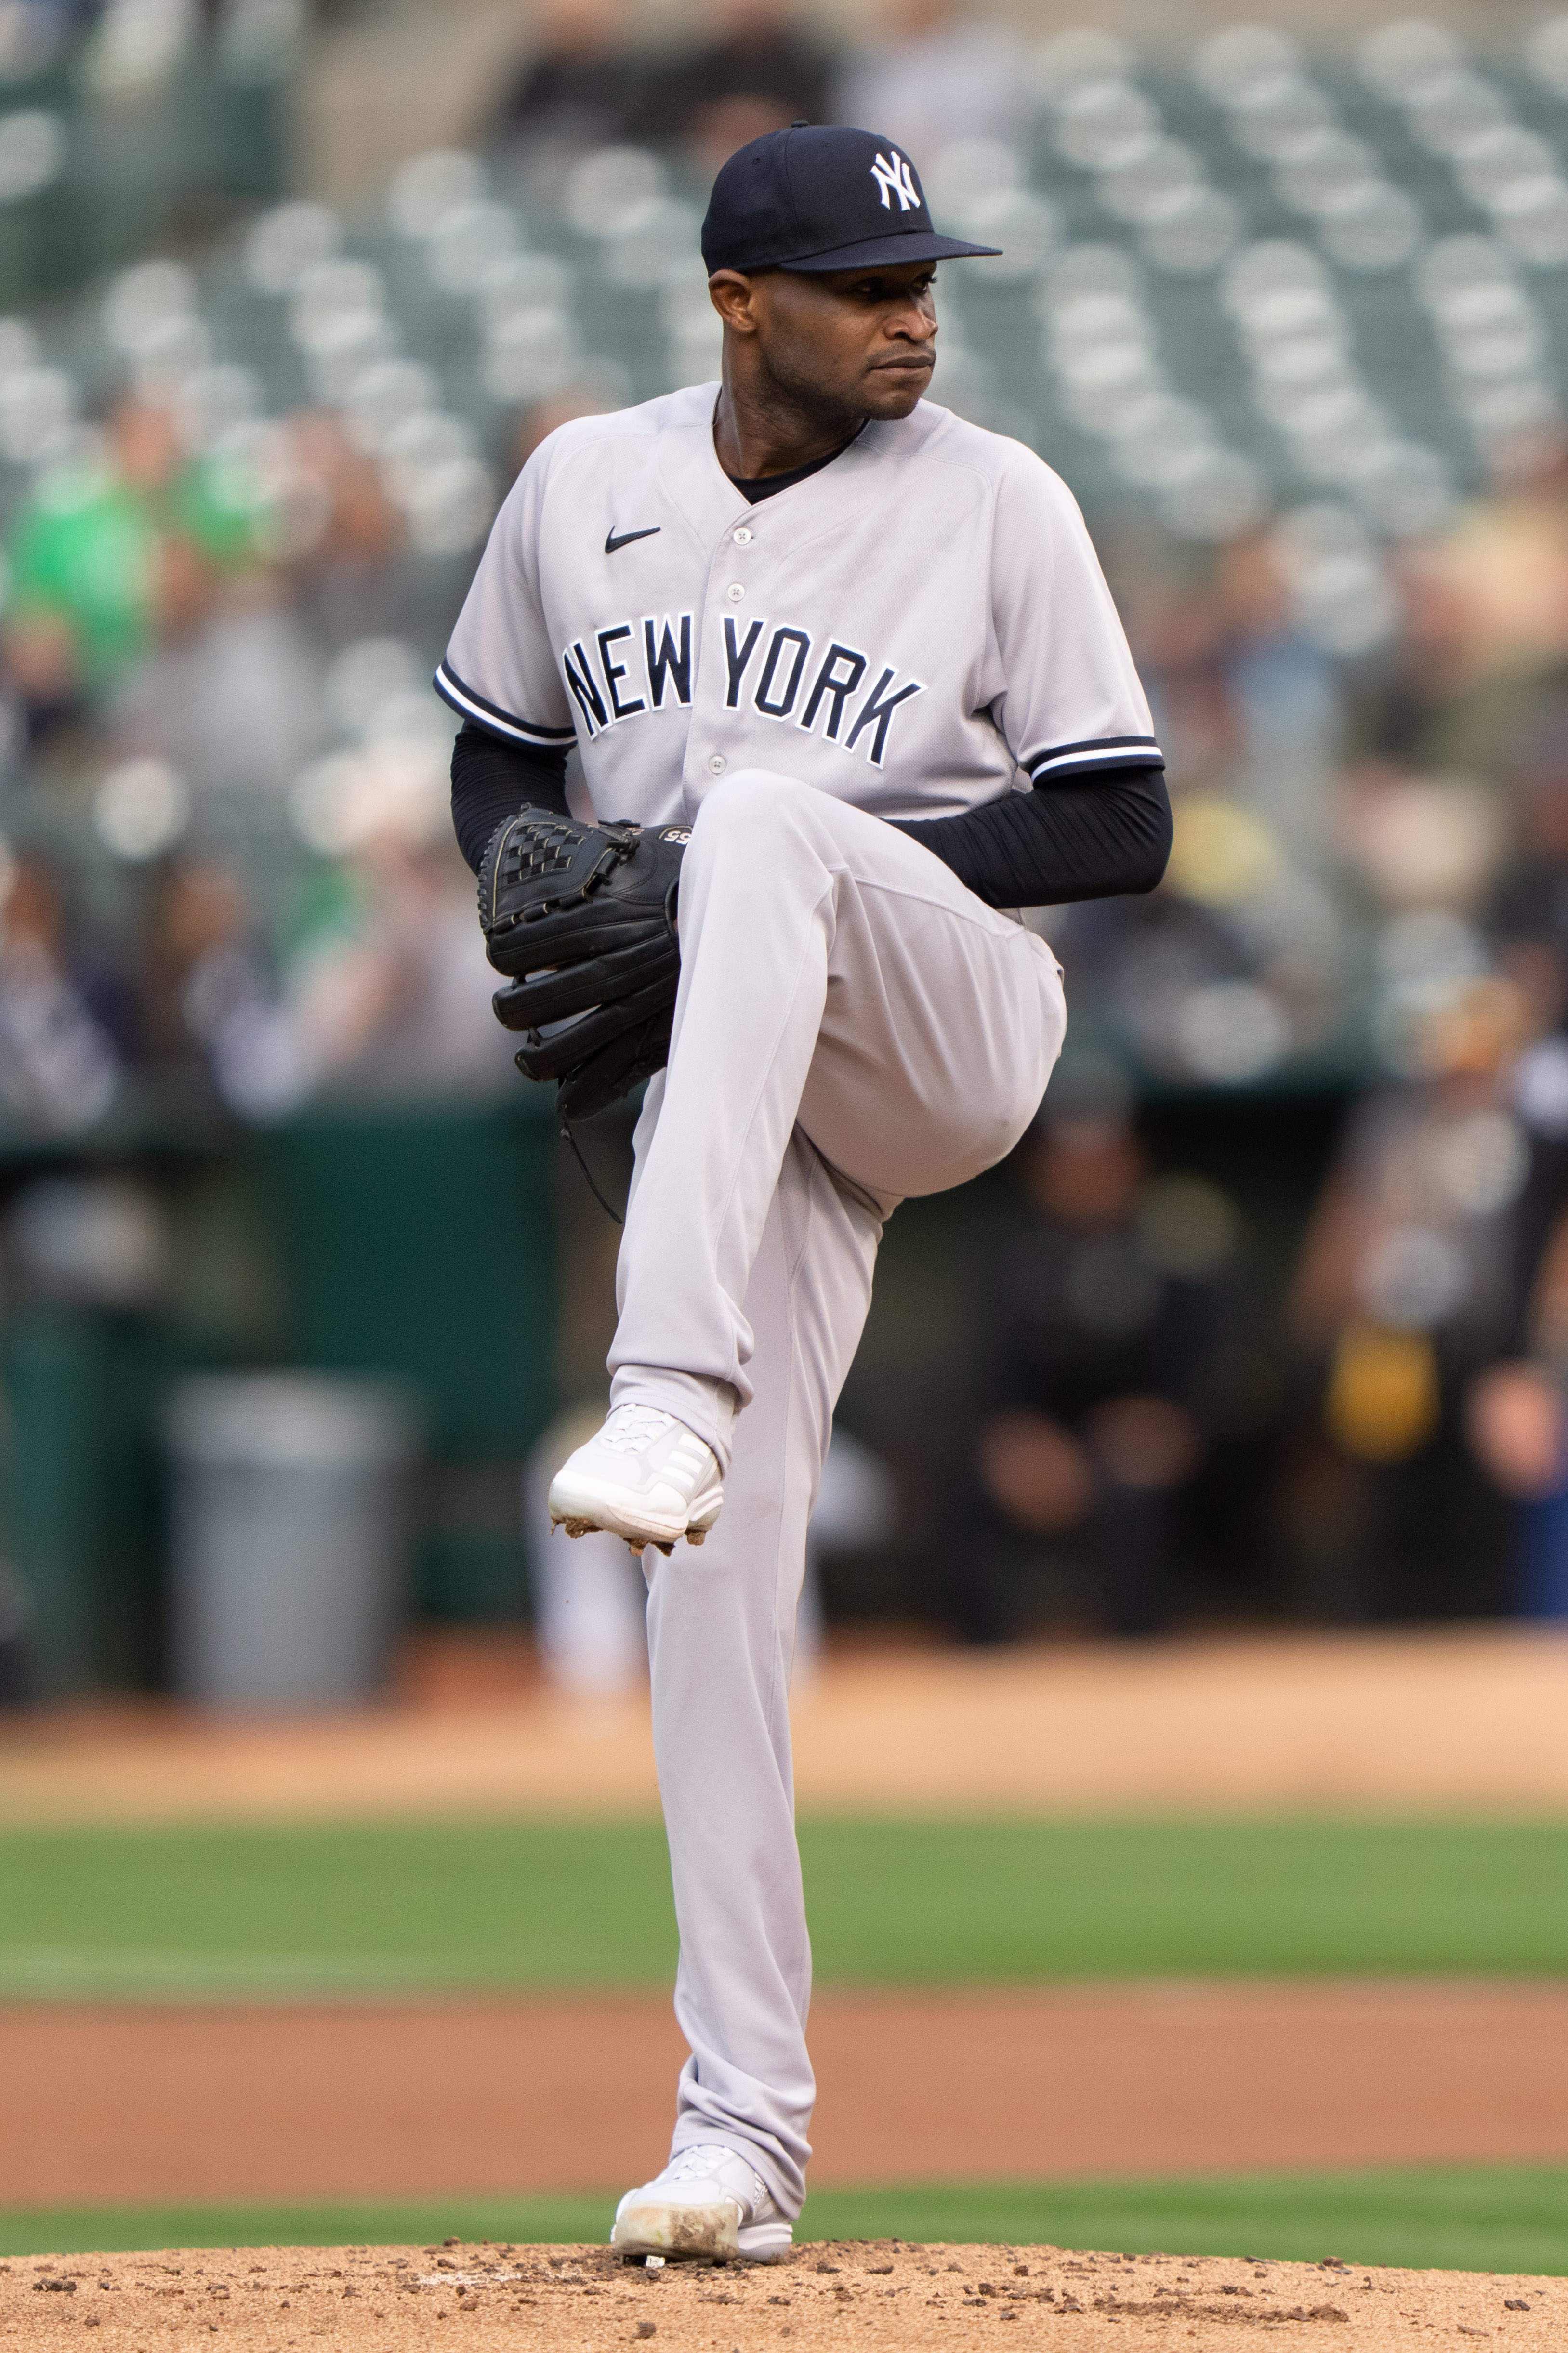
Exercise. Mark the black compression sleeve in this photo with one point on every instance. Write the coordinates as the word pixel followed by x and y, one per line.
pixel 493 780
pixel 1040 848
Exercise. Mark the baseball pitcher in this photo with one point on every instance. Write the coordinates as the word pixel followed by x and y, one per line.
pixel 849 691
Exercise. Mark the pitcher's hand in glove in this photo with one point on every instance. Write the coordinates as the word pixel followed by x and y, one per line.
pixel 582 917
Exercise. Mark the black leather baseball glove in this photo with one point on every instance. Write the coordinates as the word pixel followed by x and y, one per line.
pixel 582 917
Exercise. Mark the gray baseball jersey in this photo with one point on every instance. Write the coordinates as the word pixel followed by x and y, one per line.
pixel 917 629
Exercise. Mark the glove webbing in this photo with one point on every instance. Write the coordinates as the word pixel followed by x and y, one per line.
pixel 543 856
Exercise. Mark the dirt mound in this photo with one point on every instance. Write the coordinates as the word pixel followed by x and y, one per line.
pixel 871 2293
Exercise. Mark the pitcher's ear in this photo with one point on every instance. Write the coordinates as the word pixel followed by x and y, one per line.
pixel 732 293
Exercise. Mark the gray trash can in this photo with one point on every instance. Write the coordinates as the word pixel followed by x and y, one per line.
pixel 290 1538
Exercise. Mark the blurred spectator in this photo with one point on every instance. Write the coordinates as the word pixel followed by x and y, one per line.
pixel 116 548
pixel 1484 630
pixel 1515 1411
pixel 1529 916
pixel 1519 1430
pixel 1107 1305
pixel 1238 690
pixel 60 1057
pixel 1241 959
pixel 385 991
pixel 339 528
pixel 1408 1285
pixel 201 971
pixel 233 701
pixel 1420 841
pixel 757 71
pixel 577 89
pixel 939 74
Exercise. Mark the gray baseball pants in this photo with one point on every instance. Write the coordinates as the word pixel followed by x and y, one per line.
pixel 852 1027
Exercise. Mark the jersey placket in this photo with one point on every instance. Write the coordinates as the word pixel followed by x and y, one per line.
pixel 713 746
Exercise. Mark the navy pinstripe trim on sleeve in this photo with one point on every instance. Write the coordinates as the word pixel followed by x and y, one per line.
pixel 1097 752
pixel 451 688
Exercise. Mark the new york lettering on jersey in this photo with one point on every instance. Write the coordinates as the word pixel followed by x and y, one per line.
pixel 639 665
pixel 780 671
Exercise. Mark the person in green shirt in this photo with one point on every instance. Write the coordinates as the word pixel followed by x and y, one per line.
pixel 113 551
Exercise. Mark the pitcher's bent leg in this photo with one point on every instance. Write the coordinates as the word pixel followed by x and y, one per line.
pixel 720 1637
pixel 755 913
pixel 836 975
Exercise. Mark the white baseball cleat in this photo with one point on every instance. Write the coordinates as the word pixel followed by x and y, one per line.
pixel 645 1477
pixel 708 2204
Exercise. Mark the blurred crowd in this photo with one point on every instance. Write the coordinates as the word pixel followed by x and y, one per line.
pixel 932 74
pixel 1394 830
pixel 183 644
pixel 228 892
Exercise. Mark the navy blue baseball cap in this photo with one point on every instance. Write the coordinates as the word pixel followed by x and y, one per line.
pixel 821 196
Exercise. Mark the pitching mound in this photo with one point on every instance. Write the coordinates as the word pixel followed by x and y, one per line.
pixel 881 2293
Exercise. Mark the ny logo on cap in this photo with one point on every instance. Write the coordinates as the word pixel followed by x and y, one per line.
pixel 896 179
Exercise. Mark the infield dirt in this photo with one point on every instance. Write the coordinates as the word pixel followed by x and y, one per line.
pixel 1460 1721
pixel 117 2105
pixel 883 2293
pixel 1468 1719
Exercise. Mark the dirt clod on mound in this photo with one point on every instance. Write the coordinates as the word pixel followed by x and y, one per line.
pixel 875 2293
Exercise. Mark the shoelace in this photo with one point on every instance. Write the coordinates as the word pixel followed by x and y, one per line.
pixel 630 1428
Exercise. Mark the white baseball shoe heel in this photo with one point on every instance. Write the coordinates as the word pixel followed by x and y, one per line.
pixel 645 1477
pixel 708 2205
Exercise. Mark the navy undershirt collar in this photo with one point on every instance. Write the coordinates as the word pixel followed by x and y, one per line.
pixel 768 486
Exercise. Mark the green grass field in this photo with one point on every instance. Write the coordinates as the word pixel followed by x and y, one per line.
pixel 274 1914
pixel 1494 2219
pixel 279 1914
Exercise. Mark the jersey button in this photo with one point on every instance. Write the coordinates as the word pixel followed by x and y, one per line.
pixel 743 537
pixel 717 764
pixel 734 592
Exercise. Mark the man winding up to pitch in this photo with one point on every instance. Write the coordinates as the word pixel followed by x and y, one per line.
pixel 849 691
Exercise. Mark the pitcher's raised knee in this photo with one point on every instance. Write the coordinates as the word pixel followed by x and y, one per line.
pixel 757 801
pixel 757 821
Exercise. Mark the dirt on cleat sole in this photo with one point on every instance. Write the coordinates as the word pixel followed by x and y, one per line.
pixel 666 1544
